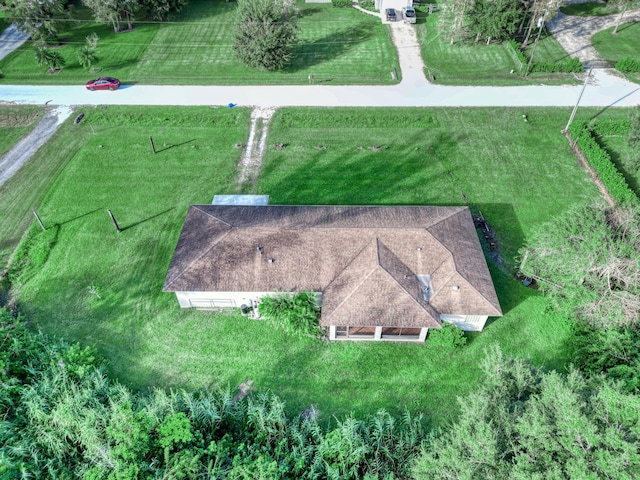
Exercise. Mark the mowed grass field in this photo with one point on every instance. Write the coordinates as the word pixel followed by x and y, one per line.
pixel 480 64
pixel 15 122
pixel 625 43
pixel 103 288
pixel 336 46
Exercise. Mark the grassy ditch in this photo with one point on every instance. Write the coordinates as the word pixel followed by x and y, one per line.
pixel 337 46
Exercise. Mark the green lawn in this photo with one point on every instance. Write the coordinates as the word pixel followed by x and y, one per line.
pixel 625 43
pixel 589 9
pixel 480 64
pixel 337 46
pixel 104 288
pixel 15 122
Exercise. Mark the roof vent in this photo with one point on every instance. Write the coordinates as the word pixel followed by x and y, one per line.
pixel 419 249
pixel 424 281
pixel 456 287
pixel 270 260
pixel 259 248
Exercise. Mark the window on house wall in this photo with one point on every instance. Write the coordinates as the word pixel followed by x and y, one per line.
pixel 398 332
pixel 212 304
pixel 362 332
pixel 342 331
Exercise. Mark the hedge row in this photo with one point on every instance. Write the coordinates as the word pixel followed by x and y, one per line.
pixel 521 60
pixel 608 126
pixel 341 3
pixel 601 162
pixel 628 65
pixel 572 65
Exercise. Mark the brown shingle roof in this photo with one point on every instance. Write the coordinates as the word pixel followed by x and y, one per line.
pixel 364 259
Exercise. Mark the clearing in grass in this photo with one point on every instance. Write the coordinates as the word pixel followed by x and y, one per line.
pixel 103 288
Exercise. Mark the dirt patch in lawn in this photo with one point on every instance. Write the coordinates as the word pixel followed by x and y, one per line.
pixel 251 161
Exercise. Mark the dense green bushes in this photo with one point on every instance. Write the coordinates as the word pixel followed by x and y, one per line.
pixel 572 65
pixel 61 417
pixel 628 65
pixel 523 423
pixel 341 3
pixel 583 135
pixel 449 337
pixel 521 61
pixel 295 313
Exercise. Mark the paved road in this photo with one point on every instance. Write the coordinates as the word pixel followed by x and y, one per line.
pixel 604 90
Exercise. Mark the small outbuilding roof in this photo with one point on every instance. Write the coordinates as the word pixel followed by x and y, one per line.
pixel 365 260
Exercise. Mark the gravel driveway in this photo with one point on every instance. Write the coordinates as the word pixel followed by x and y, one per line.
pixel 574 33
pixel 11 39
pixel 11 162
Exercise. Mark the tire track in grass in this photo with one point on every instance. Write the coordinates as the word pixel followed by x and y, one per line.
pixel 251 161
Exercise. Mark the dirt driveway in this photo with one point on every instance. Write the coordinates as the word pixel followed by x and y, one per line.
pixel 11 162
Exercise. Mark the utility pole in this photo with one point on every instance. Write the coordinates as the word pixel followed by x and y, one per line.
pixel 575 109
pixel 533 51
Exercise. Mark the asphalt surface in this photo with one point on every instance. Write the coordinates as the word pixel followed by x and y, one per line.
pixel 603 90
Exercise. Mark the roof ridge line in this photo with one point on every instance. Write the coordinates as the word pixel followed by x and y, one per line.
pixel 186 268
pixel 197 207
pixel 454 258
pixel 364 278
pixel 447 278
pixel 400 285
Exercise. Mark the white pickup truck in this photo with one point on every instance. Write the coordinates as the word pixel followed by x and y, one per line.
pixel 409 14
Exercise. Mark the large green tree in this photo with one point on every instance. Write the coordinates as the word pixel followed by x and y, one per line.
pixel 42 20
pixel 162 9
pixel 115 12
pixel 588 262
pixel 494 19
pixel 522 423
pixel 265 32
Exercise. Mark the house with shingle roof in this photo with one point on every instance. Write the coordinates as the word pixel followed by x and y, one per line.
pixel 380 273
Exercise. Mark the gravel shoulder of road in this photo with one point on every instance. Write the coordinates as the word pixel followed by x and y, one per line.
pixel 22 151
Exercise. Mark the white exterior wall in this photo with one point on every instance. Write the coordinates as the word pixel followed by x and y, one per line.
pixel 467 323
pixel 206 300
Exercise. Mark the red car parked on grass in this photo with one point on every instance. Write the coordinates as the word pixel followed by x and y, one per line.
pixel 103 83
